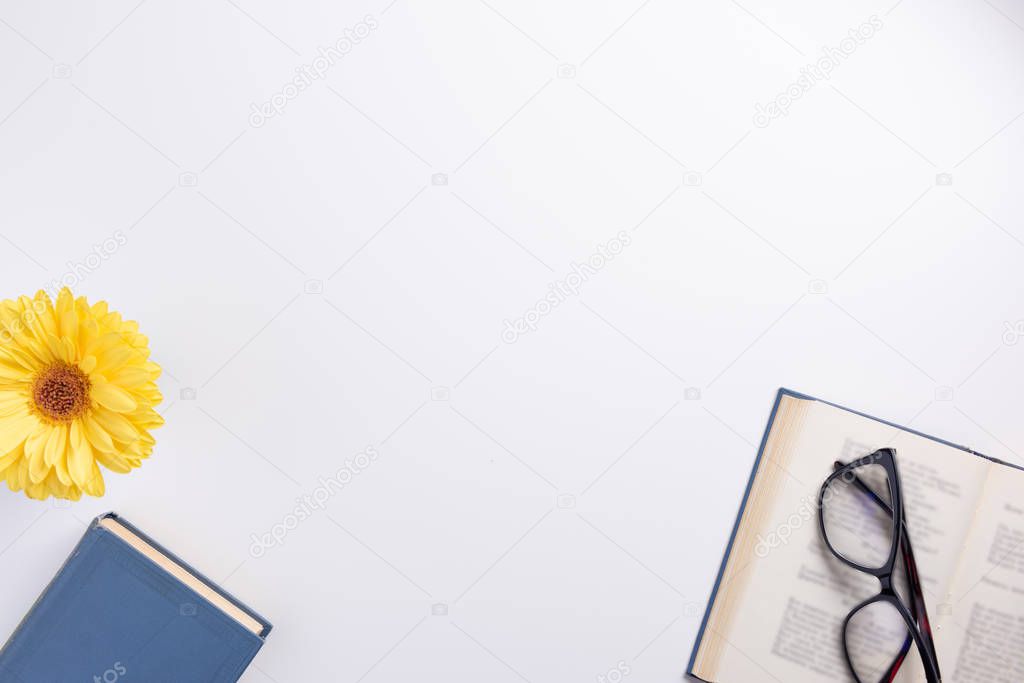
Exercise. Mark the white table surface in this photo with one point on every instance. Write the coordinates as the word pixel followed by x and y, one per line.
pixel 564 497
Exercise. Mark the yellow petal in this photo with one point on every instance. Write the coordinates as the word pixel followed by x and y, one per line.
pixel 148 394
pixel 135 449
pixel 67 320
pixel 10 458
pixel 11 394
pixel 94 486
pixel 87 364
pixel 35 452
pixel 13 371
pixel 14 355
pixel 113 397
pixel 56 444
pixel 57 348
pixel 13 407
pixel 37 470
pixel 69 324
pixel 102 342
pixel 74 493
pixel 99 309
pixel 128 376
pixel 60 468
pixel 43 321
pixel 98 437
pixel 54 487
pixel 80 460
pixel 65 301
pixel 70 351
pixel 14 431
pixel 88 333
pixel 114 462
pixel 35 491
pixel 112 360
pixel 27 352
pixel 116 425
pixel 20 474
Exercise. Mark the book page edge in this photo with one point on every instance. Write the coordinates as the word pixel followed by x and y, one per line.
pixel 181 574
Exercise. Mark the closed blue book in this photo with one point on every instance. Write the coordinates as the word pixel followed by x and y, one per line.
pixel 123 608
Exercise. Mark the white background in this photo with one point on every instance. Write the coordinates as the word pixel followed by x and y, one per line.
pixel 818 252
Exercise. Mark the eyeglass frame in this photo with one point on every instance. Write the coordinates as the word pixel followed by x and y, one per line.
pixel 920 633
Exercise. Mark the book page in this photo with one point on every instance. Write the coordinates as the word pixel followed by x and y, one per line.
pixel 794 592
pixel 985 605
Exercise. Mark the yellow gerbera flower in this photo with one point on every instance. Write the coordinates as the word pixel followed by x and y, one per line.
pixel 77 390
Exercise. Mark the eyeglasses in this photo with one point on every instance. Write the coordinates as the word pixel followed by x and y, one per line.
pixel 860 510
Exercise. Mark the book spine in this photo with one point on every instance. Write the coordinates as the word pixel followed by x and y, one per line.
pixel 732 537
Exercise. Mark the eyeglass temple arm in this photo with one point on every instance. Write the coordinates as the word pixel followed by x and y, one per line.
pixel 917 608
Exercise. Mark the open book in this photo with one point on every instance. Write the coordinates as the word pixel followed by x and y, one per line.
pixel 780 599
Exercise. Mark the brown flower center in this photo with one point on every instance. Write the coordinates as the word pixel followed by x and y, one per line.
pixel 61 392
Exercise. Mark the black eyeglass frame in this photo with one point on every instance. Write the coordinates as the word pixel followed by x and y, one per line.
pixel 917 623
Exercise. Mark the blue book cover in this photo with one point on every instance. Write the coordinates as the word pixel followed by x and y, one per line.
pixel 124 608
